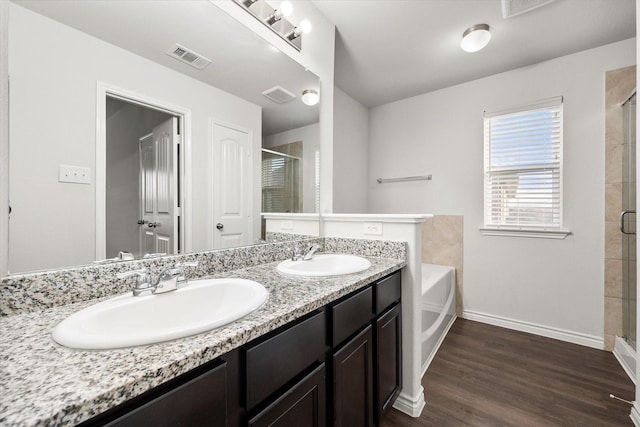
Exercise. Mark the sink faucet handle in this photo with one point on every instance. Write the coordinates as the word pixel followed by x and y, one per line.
pixel 143 281
pixel 182 278
pixel 311 251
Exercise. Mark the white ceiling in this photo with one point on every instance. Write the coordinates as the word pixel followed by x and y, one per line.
pixel 388 50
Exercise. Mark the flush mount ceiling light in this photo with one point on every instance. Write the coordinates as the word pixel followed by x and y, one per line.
pixel 475 38
pixel 310 97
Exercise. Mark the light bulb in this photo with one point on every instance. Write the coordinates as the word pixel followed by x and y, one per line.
pixel 305 26
pixel 286 8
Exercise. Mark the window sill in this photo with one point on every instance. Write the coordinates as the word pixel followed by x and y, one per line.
pixel 517 232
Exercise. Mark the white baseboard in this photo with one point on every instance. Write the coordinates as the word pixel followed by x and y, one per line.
pixel 545 331
pixel 437 346
pixel 635 414
pixel 626 357
pixel 410 405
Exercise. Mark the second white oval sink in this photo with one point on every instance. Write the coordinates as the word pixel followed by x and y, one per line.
pixel 126 321
pixel 325 265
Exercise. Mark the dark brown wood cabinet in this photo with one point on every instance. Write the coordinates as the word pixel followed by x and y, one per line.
pixel 339 365
pixel 198 397
pixel 365 336
pixel 353 382
pixel 303 405
pixel 388 360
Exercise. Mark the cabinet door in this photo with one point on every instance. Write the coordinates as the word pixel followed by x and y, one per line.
pixel 353 382
pixel 304 405
pixel 198 402
pixel 388 360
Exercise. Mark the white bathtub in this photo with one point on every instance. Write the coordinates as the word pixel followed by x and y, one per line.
pixel 438 306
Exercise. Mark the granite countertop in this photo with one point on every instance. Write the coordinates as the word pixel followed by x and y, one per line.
pixel 45 384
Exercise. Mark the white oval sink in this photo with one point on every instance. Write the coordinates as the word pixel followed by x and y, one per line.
pixel 325 265
pixel 126 321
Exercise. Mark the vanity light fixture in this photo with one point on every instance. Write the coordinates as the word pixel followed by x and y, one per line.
pixel 286 9
pixel 303 28
pixel 475 38
pixel 310 97
pixel 275 19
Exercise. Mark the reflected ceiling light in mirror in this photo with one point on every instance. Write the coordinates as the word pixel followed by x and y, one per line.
pixel 274 19
pixel 310 97
pixel 475 38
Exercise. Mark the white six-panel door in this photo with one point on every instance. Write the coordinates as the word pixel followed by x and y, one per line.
pixel 232 187
pixel 158 189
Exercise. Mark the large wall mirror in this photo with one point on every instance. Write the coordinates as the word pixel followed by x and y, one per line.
pixel 142 127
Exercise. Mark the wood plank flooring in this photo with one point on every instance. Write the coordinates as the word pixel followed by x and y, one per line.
pixel 484 375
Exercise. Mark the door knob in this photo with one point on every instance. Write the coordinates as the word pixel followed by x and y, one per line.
pixel 154 224
pixel 219 226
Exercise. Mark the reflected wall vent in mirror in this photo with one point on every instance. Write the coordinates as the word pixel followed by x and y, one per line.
pixel 188 56
pixel 278 95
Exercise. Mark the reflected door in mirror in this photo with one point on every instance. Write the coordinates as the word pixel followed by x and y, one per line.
pixel 158 161
pixel 232 183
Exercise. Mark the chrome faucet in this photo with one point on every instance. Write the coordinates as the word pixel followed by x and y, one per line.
pixel 169 280
pixel 304 255
pixel 308 254
pixel 143 282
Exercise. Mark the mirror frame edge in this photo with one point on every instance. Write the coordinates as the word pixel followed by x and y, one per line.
pixel 4 138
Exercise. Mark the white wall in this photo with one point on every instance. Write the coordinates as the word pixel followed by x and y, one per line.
pixel 552 287
pixel 310 137
pixel 350 154
pixel 53 100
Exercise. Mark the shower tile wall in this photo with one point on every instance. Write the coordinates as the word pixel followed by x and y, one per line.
pixel 442 244
pixel 619 86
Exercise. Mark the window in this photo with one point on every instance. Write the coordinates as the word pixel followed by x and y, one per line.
pixel 523 171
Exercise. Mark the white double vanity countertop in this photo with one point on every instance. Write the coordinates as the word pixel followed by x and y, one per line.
pixel 45 384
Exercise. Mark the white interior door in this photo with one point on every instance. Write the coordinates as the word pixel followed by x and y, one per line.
pixel 158 189
pixel 232 187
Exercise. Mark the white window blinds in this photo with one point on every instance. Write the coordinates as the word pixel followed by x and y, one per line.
pixel 523 167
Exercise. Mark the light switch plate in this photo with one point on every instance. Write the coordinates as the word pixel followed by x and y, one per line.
pixel 372 228
pixel 74 174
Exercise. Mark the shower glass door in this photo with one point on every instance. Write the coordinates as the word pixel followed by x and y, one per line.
pixel 628 223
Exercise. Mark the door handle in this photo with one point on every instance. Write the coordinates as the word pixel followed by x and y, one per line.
pixel 622 215
pixel 154 224
pixel 219 226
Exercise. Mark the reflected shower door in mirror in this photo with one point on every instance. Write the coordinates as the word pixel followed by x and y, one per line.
pixel 69 206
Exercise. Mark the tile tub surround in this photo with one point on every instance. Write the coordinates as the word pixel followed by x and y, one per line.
pixel 618 87
pixel 45 384
pixel 443 244
pixel 42 290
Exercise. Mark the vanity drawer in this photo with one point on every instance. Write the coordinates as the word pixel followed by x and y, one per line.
pixel 277 360
pixel 350 315
pixel 387 292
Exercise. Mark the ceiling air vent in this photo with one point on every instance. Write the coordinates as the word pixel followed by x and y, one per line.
pixel 188 56
pixel 511 8
pixel 279 95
